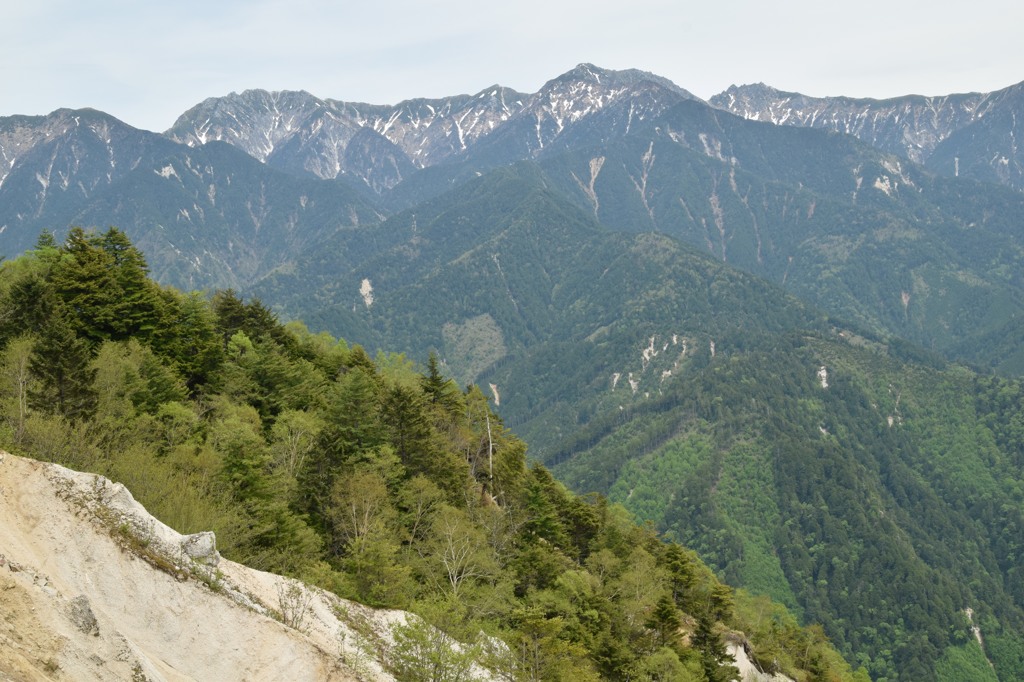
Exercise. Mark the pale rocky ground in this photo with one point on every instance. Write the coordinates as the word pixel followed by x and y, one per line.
pixel 749 671
pixel 92 587
pixel 81 598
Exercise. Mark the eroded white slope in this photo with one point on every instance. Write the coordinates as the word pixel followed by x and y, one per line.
pixel 82 596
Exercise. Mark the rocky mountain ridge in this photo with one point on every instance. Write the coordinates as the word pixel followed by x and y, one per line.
pixel 300 132
pixel 973 134
pixel 52 165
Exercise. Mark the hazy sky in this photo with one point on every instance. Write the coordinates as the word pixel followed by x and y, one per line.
pixel 146 62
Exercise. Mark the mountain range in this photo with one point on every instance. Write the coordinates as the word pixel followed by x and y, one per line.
pixel 656 290
pixel 637 151
pixel 963 135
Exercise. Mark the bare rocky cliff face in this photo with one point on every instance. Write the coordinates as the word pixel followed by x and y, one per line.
pixel 94 588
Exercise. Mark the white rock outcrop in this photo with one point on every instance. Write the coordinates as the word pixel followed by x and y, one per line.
pixel 94 588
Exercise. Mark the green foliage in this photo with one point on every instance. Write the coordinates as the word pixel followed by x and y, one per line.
pixel 17 384
pixel 965 663
pixel 908 473
pixel 423 653
pixel 396 488
pixel 60 361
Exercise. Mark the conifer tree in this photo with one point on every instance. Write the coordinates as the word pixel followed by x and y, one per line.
pixel 61 362
pixel 438 390
pixel 30 302
pixel 139 304
pixel 229 312
pixel 714 658
pixel 186 336
pixel 665 620
pixel 85 282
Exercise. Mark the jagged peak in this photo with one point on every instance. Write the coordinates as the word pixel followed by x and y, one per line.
pixel 596 75
pixel 497 91
pixel 276 98
pixel 761 90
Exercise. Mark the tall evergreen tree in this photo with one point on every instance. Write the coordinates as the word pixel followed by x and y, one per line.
pixel 439 390
pixel 139 303
pixel 85 281
pixel 30 302
pixel 229 311
pixel 60 360
pixel 716 661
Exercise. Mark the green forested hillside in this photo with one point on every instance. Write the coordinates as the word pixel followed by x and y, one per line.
pixel 879 496
pixel 641 369
pixel 514 286
pixel 867 237
pixel 367 477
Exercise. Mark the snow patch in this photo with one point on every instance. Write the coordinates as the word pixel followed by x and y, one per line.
pixel 497 396
pixel 167 172
pixel 615 379
pixel 823 376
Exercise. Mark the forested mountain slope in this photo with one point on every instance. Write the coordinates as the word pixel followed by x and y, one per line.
pixel 863 235
pixel 381 484
pixel 207 217
pixel 53 165
pixel 516 287
pixel 868 237
pixel 866 490
pixel 624 357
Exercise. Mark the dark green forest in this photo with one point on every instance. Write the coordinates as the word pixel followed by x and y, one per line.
pixel 866 485
pixel 375 478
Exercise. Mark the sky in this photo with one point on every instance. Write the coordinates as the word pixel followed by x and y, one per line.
pixel 147 62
